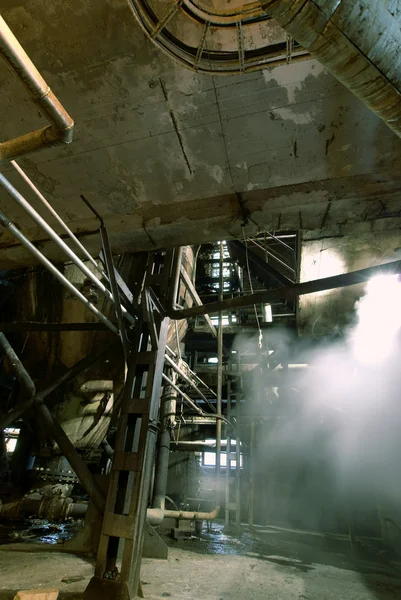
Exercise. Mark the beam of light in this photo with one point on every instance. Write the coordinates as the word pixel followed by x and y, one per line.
pixel 379 320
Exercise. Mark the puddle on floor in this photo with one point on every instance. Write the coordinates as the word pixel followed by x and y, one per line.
pixel 37 530
pixel 288 548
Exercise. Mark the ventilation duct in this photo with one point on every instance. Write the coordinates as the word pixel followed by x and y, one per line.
pixel 358 41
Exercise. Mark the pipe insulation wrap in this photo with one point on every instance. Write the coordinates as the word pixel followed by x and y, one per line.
pixel 357 40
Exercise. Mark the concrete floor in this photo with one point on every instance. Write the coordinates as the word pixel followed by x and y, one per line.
pixel 266 564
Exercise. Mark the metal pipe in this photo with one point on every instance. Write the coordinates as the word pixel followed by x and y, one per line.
pixel 219 377
pixel 47 507
pixel 115 293
pixel 62 128
pixel 56 216
pixel 21 201
pixel 196 299
pixel 192 403
pixel 251 475
pixel 290 292
pixel 187 399
pixel 18 368
pixel 167 410
pixel 188 380
pixel 238 443
pixel 14 231
pixel 228 459
pixel 175 276
pixel 14 414
pixel 357 41
pixel 193 515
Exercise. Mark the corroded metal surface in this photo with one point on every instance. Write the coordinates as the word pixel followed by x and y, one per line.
pixel 61 130
pixel 357 40
pixel 266 45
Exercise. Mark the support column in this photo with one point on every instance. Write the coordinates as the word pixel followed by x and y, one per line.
pixel 219 380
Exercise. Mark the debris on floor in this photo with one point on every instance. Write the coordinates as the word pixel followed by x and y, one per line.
pixel 38 594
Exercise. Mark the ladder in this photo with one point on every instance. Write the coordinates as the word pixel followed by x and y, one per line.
pixel 119 555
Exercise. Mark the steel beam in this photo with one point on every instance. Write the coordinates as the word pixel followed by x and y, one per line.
pixel 289 292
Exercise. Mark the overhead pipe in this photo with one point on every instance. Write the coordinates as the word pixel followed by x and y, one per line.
pixel 61 130
pixel 193 405
pixel 15 232
pixel 358 41
pixel 23 203
pixel 185 377
pixel 55 214
pixel 290 292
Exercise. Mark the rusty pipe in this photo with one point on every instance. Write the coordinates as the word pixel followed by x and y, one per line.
pixel 18 368
pixel 358 41
pixel 61 130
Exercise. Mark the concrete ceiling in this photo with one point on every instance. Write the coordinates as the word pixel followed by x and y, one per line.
pixel 168 156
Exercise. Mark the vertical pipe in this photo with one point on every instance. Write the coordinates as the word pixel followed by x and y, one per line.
pixel 237 444
pixel 219 378
pixel 251 474
pixel 237 479
pixel 228 453
pixel 167 420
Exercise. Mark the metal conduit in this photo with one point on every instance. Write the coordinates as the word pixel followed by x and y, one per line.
pixel 357 40
pixel 192 404
pixel 15 232
pixel 56 216
pixel 188 380
pixel 21 201
pixel 61 130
